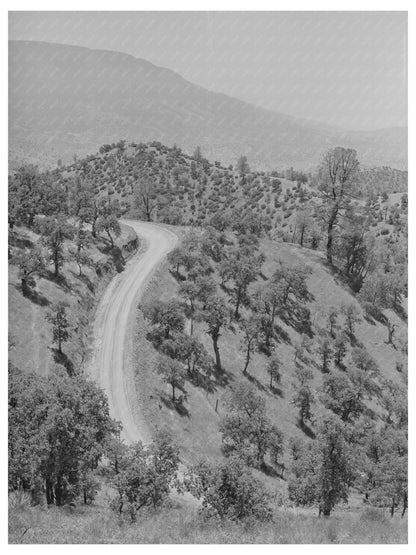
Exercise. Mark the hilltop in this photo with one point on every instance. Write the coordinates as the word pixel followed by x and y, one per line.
pixel 66 100
pixel 184 189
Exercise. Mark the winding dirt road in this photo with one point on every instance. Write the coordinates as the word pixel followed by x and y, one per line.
pixel 110 366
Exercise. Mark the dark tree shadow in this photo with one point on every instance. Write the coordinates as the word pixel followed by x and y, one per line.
pixel 177 275
pixel 375 314
pixel 85 279
pixel 315 364
pixel 17 240
pixel 271 471
pixel 223 378
pixel 401 312
pixel 281 334
pixel 59 280
pixel 118 258
pixel 298 317
pixel 256 382
pixel 341 366
pixel 277 391
pixel 369 320
pixel 339 278
pixel 264 349
pixel 225 288
pixel 33 296
pixel 177 406
pixel 64 360
pixel 202 381
pixel 306 429
pixel 115 254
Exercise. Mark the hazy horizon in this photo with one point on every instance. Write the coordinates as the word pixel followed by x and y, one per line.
pixel 347 69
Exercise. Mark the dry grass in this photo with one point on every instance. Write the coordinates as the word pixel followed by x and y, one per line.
pixel 183 525
pixel 197 433
pixel 30 331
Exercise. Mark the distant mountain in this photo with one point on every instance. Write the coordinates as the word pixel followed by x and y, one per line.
pixel 66 100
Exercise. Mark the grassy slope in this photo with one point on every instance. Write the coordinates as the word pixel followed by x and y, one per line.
pixel 181 525
pixel 216 189
pixel 32 334
pixel 197 434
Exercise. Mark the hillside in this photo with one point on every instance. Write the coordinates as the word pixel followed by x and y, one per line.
pixel 271 342
pixel 196 431
pixel 191 190
pixel 30 334
pixel 66 100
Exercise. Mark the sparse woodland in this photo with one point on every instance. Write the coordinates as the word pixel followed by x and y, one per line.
pixel 284 319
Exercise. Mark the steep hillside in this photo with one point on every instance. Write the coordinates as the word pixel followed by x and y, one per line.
pixel 66 100
pixel 30 334
pixel 196 429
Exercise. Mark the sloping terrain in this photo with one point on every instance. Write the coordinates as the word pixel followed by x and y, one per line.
pixel 66 100
pixel 30 333
pixel 111 364
pixel 196 430
pixel 186 190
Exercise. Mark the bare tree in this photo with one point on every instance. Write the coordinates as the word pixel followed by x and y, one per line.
pixel 146 196
pixel 391 328
pixel 338 170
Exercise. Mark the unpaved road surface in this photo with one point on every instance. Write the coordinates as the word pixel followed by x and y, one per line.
pixel 113 318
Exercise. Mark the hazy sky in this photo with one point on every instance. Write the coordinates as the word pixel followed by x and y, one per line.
pixel 342 68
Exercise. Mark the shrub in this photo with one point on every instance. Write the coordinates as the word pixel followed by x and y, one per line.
pixel 143 476
pixel 229 490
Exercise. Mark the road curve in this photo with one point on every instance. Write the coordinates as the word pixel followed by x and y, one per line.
pixel 113 316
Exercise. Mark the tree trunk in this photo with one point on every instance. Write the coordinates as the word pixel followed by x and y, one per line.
pixel 49 493
pixel 56 263
pixel 237 306
pixel 173 393
pixel 326 512
pixel 58 494
pixel 111 239
pixel 391 329
pixel 192 318
pixel 25 288
pixel 404 504
pixel 301 236
pixel 247 360
pixel 329 243
pixel 217 354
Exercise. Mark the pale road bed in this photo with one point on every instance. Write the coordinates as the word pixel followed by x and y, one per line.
pixel 110 366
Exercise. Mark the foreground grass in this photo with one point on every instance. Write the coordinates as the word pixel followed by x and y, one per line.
pixel 183 525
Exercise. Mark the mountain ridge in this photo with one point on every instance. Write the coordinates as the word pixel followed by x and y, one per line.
pixel 66 100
